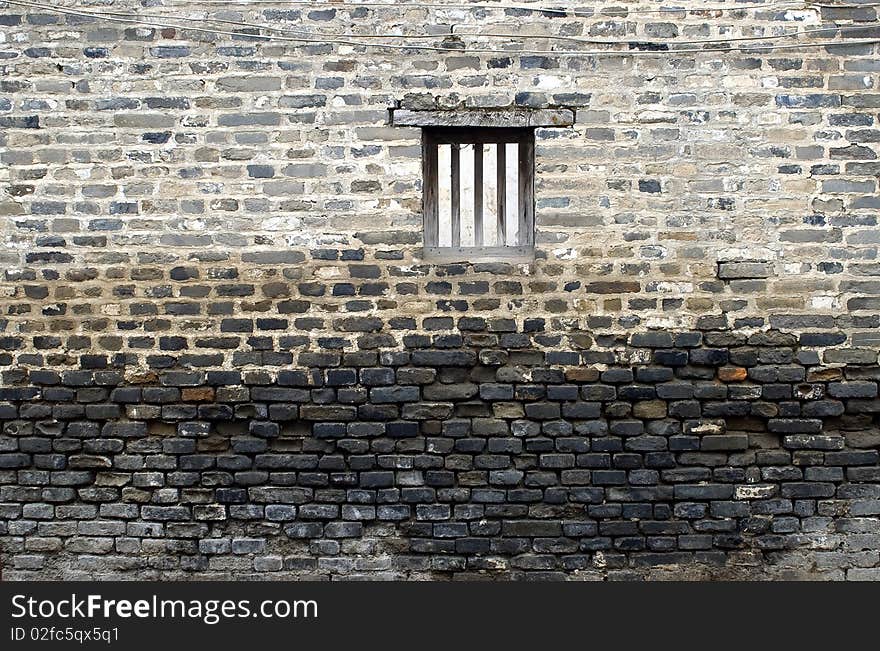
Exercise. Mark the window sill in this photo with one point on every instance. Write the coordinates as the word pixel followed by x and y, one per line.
pixel 446 254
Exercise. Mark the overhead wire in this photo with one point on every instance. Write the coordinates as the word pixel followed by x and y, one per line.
pixel 642 48
pixel 549 37
pixel 503 6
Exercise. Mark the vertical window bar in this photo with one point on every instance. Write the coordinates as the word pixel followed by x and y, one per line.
pixel 513 198
pixel 431 192
pixel 525 232
pixel 501 190
pixel 478 194
pixel 456 195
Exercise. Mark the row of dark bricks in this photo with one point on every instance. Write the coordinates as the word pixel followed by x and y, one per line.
pixel 321 566
pixel 549 478
pixel 377 393
pixel 692 355
pixel 330 409
pixel 684 516
pixel 283 503
pixel 502 537
pixel 278 359
pixel 604 455
pixel 448 332
pixel 410 384
pixel 522 489
pixel 449 350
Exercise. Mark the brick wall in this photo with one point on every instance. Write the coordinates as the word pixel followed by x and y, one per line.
pixel 222 354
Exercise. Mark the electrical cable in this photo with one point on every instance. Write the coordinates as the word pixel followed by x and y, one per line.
pixel 500 6
pixel 550 37
pixel 409 47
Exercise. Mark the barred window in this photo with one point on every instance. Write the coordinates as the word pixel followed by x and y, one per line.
pixel 478 194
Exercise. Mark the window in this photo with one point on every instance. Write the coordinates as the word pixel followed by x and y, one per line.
pixel 478 196
pixel 478 176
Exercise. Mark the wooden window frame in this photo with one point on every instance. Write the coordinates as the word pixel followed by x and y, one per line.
pixel 432 138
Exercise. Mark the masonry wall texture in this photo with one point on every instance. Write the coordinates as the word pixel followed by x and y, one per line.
pixel 223 355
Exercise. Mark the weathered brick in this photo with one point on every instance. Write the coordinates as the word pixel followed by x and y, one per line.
pixel 227 333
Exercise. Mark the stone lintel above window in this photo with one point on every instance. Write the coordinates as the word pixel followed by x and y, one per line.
pixel 487 118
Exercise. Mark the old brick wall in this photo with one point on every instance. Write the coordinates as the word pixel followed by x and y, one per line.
pixel 222 354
